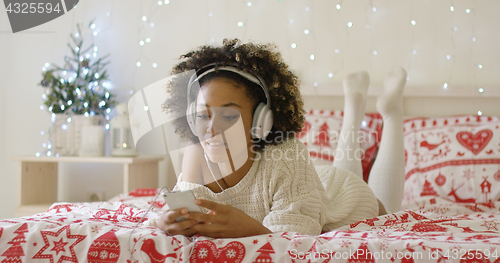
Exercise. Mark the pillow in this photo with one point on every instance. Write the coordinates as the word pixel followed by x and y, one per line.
pixel 456 158
pixel 321 133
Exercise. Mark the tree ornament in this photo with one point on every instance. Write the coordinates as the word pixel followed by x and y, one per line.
pixel 84 63
pixel 105 248
pixel 44 83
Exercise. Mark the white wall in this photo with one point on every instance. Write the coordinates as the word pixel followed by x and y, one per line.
pixel 6 181
pixel 183 25
pixel 22 118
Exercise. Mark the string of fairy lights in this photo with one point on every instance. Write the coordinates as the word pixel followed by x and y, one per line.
pixel 310 31
pixel 152 10
pixel 369 11
pixel 473 39
pixel 452 56
pixel 413 22
pixel 475 65
pixel 146 22
pixel 307 31
pixel 309 9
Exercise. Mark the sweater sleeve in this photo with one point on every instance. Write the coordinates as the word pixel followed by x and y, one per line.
pixel 294 188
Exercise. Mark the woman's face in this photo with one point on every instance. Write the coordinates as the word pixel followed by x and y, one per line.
pixel 223 121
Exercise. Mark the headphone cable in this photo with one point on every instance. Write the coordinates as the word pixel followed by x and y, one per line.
pixel 211 172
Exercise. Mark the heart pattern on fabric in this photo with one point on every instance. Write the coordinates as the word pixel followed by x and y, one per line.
pixel 207 251
pixel 475 143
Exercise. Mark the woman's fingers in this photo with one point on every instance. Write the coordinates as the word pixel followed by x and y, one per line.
pixel 172 215
pixel 182 228
pixel 169 224
pixel 201 217
pixel 213 206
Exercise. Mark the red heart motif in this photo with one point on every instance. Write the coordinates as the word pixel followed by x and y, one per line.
pixel 475 143
pixel 207 251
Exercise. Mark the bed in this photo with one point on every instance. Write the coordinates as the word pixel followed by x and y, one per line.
pixel 451 210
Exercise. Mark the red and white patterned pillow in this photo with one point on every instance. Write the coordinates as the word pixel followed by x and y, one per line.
pixel 321 134
pixel 457 158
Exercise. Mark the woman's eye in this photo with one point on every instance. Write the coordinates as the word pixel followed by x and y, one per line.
pixel 202 116
pixel 230 117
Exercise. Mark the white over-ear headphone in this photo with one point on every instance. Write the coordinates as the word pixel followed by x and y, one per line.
pixel 262 121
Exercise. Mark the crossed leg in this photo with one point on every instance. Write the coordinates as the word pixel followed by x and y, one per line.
pixel 355 88
pixel 387 173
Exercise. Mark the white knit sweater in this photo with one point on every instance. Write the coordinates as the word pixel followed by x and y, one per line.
pixel 282 190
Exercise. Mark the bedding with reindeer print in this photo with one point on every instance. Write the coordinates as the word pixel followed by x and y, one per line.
pixel 431 229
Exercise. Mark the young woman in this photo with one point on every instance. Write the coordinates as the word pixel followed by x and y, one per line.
pixel 247 169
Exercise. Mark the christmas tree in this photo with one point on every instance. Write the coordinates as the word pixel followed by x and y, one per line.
pixel 80 87
pixel 265 254
pixel 323 139
pixel 363 254
pixel 15 252
pixel 428 190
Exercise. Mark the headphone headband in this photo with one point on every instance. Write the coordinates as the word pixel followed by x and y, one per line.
pixel 256 79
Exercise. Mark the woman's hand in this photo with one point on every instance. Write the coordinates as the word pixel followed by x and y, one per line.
pixel 224 221
pixel 169 225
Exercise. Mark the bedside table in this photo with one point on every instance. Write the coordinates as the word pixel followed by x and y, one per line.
pixel 38 177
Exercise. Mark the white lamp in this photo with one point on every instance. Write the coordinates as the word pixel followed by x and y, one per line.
pixel 122 143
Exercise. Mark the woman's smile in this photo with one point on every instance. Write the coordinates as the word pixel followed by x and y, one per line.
pixel 215 145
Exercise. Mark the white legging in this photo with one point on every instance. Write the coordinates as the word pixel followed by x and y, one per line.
pixel 386 177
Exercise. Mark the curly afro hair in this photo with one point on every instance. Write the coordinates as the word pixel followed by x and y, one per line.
pixel 260 59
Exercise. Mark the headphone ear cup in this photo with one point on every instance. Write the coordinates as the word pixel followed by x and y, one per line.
pixel 190 111
pixel 267 124
pixel 262 121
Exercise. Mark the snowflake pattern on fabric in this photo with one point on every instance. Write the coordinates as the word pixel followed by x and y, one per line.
pixel 105 232
pixel 490 225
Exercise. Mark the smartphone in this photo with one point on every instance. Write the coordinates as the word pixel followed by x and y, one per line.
pixel 180 199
